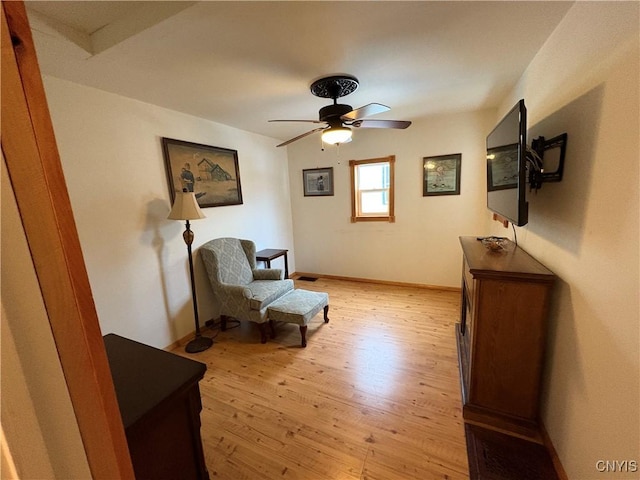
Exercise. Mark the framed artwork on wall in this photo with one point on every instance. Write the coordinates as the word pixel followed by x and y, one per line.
pixel 318 182
pixel 441 175
pixel 212 173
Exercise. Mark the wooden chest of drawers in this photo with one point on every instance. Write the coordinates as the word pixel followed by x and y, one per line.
pixel 160 405
pixel 502 335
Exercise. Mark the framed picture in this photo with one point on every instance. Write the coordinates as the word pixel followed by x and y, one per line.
pixel 318 182
pixel 212 173
pixel 441 175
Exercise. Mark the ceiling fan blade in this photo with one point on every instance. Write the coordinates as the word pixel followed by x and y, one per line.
pixel 306 121
pixel 366 111
pixel 380 123
pixel 301 136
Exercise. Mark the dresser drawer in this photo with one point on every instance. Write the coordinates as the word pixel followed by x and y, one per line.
pixel 469 283
pixel 468 301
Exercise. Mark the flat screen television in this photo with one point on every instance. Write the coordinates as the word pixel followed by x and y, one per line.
pixel 507 167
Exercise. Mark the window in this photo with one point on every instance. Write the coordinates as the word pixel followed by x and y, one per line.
pixel 372 190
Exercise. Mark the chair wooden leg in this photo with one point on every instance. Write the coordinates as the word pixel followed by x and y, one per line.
pixel 223 323
pixel 326 314
pixel 303 334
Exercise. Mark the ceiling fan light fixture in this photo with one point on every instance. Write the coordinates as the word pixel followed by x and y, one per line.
pixel 334 135
pixel 336 116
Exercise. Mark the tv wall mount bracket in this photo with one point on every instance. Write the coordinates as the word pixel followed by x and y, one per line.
pixel 535 156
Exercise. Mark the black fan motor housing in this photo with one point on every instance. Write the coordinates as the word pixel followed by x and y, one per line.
pixel 333 111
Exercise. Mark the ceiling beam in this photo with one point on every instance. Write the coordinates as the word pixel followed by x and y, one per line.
pixel 141 17
pixel 145 16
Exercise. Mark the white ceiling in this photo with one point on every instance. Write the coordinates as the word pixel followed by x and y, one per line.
pixel 243 63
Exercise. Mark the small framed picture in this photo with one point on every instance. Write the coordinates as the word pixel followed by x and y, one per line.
pixel 212 173
pixel 441 175
pixel 318 182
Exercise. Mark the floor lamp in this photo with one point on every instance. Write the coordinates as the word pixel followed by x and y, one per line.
pixel 185 207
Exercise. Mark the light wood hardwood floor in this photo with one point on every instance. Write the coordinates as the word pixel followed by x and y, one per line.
pixel 375 395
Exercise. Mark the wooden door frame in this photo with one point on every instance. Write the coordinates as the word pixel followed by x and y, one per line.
pixel 36 175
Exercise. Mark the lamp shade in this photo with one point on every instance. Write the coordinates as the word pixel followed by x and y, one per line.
pixel 185 207
pixel 335 135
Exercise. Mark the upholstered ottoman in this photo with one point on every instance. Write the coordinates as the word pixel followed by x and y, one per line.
pixel 299 306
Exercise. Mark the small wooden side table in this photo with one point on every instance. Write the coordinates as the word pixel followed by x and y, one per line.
pixel 269 254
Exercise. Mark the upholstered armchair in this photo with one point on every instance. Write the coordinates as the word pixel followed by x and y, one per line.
pixel 241 290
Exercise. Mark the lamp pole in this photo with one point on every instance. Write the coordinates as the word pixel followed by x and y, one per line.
pixel 199 343
pixel 185 207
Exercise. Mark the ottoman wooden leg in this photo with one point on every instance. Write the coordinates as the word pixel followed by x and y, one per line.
pixel 303 334
pixel 273 328
pixel 263 332
pixel 326 313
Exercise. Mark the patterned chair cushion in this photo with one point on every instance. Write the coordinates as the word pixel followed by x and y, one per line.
pixel 263 292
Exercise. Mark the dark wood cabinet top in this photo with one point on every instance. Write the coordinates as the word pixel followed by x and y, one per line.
pixel 144 376
pixel 511 262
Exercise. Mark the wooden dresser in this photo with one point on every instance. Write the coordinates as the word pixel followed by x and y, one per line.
pixel 160 405
pixel 501 336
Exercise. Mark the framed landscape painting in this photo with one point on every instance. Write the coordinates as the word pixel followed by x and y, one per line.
pixel 318 182
pixel 441 175
pixel 212 173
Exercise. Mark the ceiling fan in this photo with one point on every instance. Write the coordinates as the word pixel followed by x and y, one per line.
pixel 338 118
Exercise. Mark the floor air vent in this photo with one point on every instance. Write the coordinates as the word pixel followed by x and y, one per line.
pixel 496 456
pixel 307 279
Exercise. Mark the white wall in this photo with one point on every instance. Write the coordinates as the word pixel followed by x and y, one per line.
pixel 422 245
pixel 584 81
pixel 110 148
